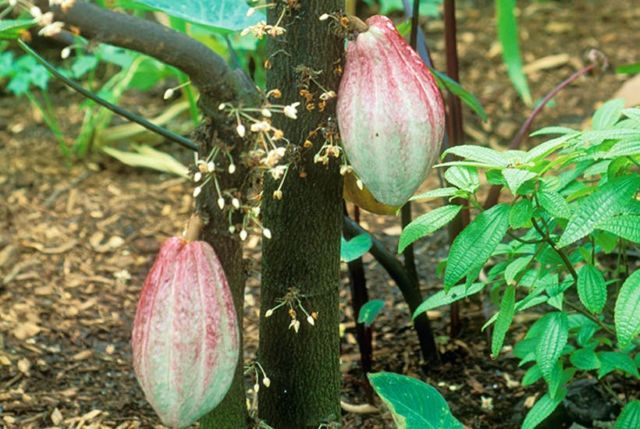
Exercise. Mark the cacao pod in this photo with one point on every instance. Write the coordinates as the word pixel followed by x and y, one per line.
pixel 390 113
pixel 185 337
pixel 363 198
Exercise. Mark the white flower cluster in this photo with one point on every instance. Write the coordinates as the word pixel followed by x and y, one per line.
pixel 292 300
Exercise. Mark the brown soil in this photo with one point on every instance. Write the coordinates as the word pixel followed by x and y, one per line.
pixel 76 242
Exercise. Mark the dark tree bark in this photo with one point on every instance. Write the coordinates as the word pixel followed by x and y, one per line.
pixel 304 252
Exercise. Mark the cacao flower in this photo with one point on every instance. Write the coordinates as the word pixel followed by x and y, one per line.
pixel 390 113
pixel 185 337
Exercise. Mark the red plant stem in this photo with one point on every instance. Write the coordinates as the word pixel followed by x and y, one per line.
pixel 455 132
pixel 521 136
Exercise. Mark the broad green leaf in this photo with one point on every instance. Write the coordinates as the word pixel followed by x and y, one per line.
pixel 532 375
pixel 605 202
pixel 413 404
pixel 629 418
pixel 505 316
pixel 148 157
pixel 607 115
pixel 483 155
pixel 553 130
pixel 515 267
pixel 442 297
pixel 551 342
pixel 465 178
pixel 627 310
pixel 625 226
pixel 369 311
pixel 585 359
pixel 516 178
pixel 436 193
pixel 623 148
pixel 356 247
pixel 542 409
pixel 427 224
pixel 592 289
pixel 592 138
pixel 508 35
pixel 554 204
pixel 224 14
pixel 446 83
pixel 612 361
pixel 11 28
pixel 544 149
pixel 475 244
pixel 520 214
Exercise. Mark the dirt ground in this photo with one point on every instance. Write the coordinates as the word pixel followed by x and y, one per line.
pixel 76 241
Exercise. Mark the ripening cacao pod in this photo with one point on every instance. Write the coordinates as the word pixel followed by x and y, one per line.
pixel 363 198
pixel 390 113
pixel 185 337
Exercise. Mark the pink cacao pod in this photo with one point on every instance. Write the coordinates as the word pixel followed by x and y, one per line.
pixel 185 337
pixel 390 113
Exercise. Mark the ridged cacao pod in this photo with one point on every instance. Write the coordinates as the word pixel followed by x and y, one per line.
pixel 185 337
pixel 390 113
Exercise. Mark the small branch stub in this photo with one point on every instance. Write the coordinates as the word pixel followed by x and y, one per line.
pixel 194 227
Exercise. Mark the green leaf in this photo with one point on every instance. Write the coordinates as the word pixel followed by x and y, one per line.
pixel 436 193
pixel 612 361
pixel 446 83
pixel 515 267
pixel 413 404
pixel 475 244
pixel 554 204
pixel 551 342
pixel 628 69
pixel 11 28
pixel 505 316
pixel 544 149
pixel 427 224
pixel 508 35
pixel 542 409
pixel 532 375
pixel 629 418
pixel 520 214
pixel 607 115
pixel 223 14
pixel 465 178
pixel 627 310
pixel 516 178
pixel 369 311
pixel 623 148
pixel 585 359
pixel 625 226
pixel 605 202
pixel 442 297
pixel 592 289
pixel 553 130
pixel 483 155
pixel 355 248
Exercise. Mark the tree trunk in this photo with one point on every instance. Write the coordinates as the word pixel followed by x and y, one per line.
pixel 231 412
pixel 304 252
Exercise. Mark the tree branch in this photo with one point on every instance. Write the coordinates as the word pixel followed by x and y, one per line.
pixel 207 70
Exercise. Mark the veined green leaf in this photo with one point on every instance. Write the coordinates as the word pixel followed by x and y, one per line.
pixel 505 316
pixel 515 267
pixel 612 361
pixel 542 409
pixel 551 342
pixel 532 375
pixel 508 35
pixel 520 214
pixel 516 178
pixel 592 289
pixel 625 226
pixel 369 311
pixel 553 130
pixel 598 207
pixel 554 204
pixel 483 155
pixel 356 247
pixel 623 148
pixel 436 193
pixel 585 359
pixel 607 115
pixel 465 178
pixel 442 297
pixel 476 243
pixel 544 149
pixel 595 137
pixel 413 404
pixel 427 224
pixel 627 310
pixel 629 418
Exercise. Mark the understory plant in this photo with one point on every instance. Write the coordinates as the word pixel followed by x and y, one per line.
pixel 562 245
